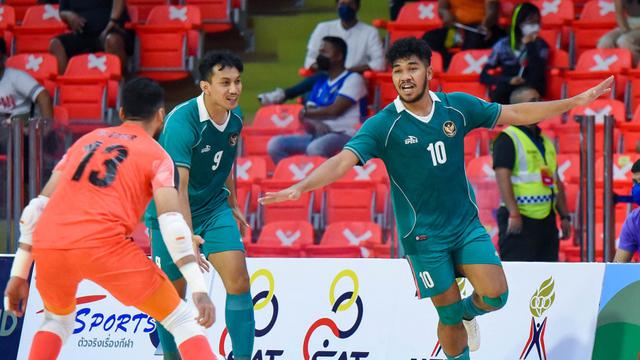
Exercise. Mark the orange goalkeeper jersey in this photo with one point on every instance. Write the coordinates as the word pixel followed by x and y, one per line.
pixel 108 178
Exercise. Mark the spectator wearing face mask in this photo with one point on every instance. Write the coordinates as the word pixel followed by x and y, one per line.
pixel 629 242
pixel 520 57
pixel 363 41
pixel 332 111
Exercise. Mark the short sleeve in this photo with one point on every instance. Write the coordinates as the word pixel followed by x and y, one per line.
pixel 178 139
pixel 477 112
pixel 375 51
pixel 504 152
pixel 164 173
pixel 313 47
pixel 26 85
pixel 62 164
pixel 354 88
pixel 367 143
pixel 628 237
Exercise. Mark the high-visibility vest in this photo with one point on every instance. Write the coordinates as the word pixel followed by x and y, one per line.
pixel 535 199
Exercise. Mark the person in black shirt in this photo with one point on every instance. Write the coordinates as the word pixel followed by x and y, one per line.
pixel 96 25
pixel 525 238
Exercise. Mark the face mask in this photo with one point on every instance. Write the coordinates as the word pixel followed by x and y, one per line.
pixel 528 29
pixel 346 13
pixel 635 193
pixel 324 63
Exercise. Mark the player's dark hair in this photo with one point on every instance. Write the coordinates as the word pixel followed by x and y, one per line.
pixel 3 47
pixel 406 47
pixel 636 167
pixel 355 1
pixel 513 98
pixel 141 99
pixel 339 44
pixel 221 59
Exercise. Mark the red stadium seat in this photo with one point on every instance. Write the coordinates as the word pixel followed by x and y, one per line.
pixel 464 73
pixel 414 19
pixel 347 240
pixel 600 108
pixel 169 42
pixel 373 171
pixel 85 87
pixel 622 164
pixel 143 8
pixel 596 19
pixel 558 64
pixel 597 64
pixel 557 16
pixel 217 15
pixel 481 168
pixel 568 168
pixel 282 239
pixel 20 7
pixel 41 23
pixel 250 171
pixel 350 200
pixel 569 141
pixel 43 67
pixel 630 142
pixel 7 23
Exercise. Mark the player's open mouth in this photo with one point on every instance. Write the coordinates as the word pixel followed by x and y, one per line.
pixel 407 87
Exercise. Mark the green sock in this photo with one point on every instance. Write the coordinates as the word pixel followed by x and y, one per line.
pixel 463 356
pixel 470 309
pixel 241 324
pixel 169 347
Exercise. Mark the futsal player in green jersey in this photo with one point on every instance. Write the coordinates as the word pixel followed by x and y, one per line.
pixel 201 135
pixel 420 138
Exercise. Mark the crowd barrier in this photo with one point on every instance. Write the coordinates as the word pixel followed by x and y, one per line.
pixel 344 309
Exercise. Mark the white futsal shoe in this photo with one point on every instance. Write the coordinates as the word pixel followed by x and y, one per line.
pixel 473 334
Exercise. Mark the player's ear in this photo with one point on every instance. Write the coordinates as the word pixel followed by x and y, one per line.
pixel 205 87
pixel 121 113
pixel 429 72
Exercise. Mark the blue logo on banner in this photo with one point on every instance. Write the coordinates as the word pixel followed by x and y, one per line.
pixel 10 326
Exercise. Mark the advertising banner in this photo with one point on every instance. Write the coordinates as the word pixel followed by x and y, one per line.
pixel 10 325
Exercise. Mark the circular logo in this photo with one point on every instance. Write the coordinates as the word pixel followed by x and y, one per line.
pixel 233 139
pixel 449 128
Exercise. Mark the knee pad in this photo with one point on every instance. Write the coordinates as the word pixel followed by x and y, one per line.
pixel 61 325
pixel 181 323
pixel 450 314
pixel 497 302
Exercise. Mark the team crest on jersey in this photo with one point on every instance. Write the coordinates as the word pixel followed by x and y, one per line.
pixel 449 128
pixel 233 139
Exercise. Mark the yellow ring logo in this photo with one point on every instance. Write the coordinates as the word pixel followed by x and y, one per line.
pixel 332 291
pixel 269 276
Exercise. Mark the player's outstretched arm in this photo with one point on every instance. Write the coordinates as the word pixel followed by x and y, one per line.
pixel 330 171
pixel 534 112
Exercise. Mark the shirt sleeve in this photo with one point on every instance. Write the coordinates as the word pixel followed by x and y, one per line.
pixel 313 47
pixel 367 143
pixel 354 88
pixel 628 239
pixel 165 173
pixel 504 152
pixel 477 112
pixel 178 139
pixel 26 85
pixel 62 164
pixel 375 51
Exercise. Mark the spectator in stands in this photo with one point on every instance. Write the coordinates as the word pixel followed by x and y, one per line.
pixel 627 34
pixel 630 236
pixel 524 161
pixel 96 25
pixel 332 110
pixel 365 51
pixel 470 24
pixel 522 57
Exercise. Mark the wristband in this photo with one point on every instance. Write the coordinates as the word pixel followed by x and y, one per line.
pixel 194 277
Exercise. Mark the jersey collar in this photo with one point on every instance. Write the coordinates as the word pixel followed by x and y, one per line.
pixel 400 107
pixel 203 114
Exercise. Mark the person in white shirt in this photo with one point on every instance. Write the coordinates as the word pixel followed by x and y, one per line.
pixel 363 41
pixel 333 109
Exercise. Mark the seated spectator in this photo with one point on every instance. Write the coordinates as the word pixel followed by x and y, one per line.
pixel 630 236
pixel 96 25
pixel 365 51
pixel 521 57
pixel 627 34
pixel 332 111
pixel 469 24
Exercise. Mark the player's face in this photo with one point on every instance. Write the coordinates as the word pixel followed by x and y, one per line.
pixel 225 87
pixel 411 78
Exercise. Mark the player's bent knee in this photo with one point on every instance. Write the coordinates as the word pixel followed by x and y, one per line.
pixel 61 325
pixel 450 314
pixel 181 323
pixel 497 302
pixel 239 285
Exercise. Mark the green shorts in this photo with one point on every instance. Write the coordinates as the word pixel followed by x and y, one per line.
pixel 434 271
pixel 219 231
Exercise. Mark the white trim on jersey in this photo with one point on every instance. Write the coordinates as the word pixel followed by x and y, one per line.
pixel 391 128
pixel 415 215
pixel 204 114
pixel 425 119
pixel 464 119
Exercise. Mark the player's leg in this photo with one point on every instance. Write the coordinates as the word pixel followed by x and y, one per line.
pixel 223 248
pixel 131 278
pixel 434 277
pixel 162 258
pixel 58 294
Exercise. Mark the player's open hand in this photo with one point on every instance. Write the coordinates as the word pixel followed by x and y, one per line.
pixel 595 92
pixel 288 194
pixel 206 310
pixel 243 225
pixel 16 295
pixel 202 262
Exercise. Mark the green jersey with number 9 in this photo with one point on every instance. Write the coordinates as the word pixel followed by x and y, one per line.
pixel 207 149
pixel 424 155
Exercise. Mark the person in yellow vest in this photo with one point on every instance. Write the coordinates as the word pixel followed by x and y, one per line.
pixel 524 161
